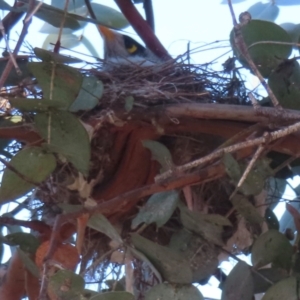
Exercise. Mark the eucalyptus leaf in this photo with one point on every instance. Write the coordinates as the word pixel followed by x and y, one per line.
pixel 65 285
pixel 113 296
pixel 27 242
pixel 101 224
pixel 158 209
pixel 246 209
pixel 160 153
pixel 285 289
pixel 285 84
pixel 263 278
pixel 90 93
pixel 239 283
pixel 170 292
pixel 58 82
pixel 34 164
pixel 138 254
pixel 264 11
pixel 65 135
pixel 173 266
pixel 210 227
pixel 34 105
pixel 203 256
pixel 48 56
pixel 109 17
pixel 28 263
pixel 266 55
pixel 272 247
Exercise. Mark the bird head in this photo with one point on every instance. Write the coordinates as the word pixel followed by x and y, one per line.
pixel 124 49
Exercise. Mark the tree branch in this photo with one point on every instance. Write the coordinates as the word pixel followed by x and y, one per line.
pixel 149 13
pixel 143 29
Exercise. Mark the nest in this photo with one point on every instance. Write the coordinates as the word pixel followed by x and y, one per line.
pixel 129 112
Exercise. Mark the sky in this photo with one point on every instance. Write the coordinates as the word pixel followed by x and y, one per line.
pixel 202 23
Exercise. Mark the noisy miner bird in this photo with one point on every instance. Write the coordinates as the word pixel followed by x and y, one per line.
pixel 120 49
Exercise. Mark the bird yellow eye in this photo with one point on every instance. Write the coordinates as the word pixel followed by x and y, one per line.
pixel 132 49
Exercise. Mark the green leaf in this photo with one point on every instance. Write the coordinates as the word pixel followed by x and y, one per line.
pixel 72 4
pixel 89 95
pixel 136 253
pixel 58 82
pixel 113 296
pixel 170 292
pixel 203 256
pixel 33 105
pixel 34 164
pixel 67 137
pixel 68 40
pixel 27 242
pixel 284 289
pixel 158 209
pixel 28 263
pixel 109 17
pixel 160 153
pixel 262 282
pixel 266 56
pixel 66 285
pixel 294 32
pixel 101 224
pixel 173 266
pixel 54 16
pixel 210 227
pixel 246 209
pixel 50 56
pixel 255 180
pixel 264 11
pixel 239 283
pixel 272 247
pixel 285 84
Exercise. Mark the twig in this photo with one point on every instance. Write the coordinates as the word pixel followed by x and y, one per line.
pixel 90 9
pixel 12 18
pixel 11 57
pixel 143 29
pixel 231 112
pixel 218 153
pixel 58 43
pixel 243 49
pixel 247 170
pixel 26 24
pixel 149 13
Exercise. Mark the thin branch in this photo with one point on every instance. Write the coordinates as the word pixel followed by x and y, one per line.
pixel 231 112
pixel 24 31
pixel 243 49
pixel 11 57
pixel 143 29
pixel 11 19
pixel 149 13
pixel 58 42
pixel 90 9
pixel 272 136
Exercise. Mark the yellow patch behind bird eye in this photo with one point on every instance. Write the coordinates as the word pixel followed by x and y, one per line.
pixel 133 48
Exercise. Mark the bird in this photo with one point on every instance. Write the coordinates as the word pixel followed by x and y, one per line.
pixel 121 49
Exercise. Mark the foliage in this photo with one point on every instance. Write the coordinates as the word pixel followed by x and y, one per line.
pixel 161 171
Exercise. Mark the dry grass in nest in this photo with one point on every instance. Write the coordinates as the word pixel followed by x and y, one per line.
pixel 171 82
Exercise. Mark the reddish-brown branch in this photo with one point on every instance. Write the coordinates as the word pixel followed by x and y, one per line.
pixel 22 134
pixel 142 28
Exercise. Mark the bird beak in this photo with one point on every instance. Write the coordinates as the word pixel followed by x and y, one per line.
pixel 106 33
